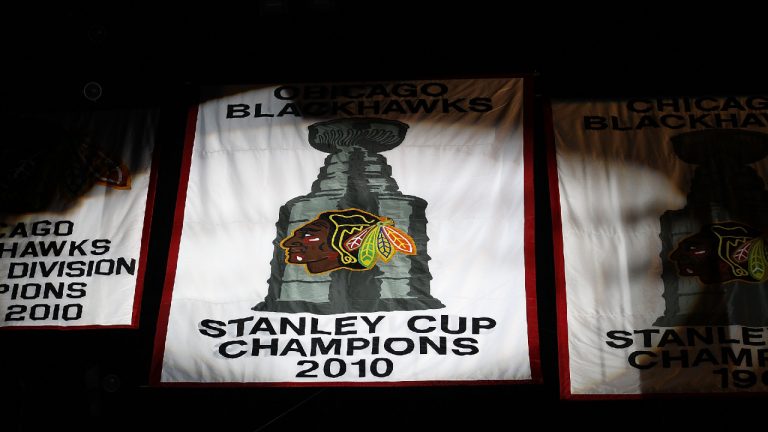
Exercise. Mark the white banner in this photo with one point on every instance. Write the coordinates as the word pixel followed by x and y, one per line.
pixel 354 233
pixel 664 214
pixel 75 204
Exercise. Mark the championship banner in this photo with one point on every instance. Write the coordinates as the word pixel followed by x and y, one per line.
pixel 662 272
pixel 76 193
pixel 354 234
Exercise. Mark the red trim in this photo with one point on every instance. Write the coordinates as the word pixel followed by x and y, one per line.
pixel 148 212
pixel 173 253
pixel 346 384
pixel 529 250
pixel 557 246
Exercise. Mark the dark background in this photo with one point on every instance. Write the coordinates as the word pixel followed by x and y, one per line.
pixel 157 59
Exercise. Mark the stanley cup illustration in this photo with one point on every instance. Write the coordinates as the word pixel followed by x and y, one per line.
pixel 355 176
pixel 713 254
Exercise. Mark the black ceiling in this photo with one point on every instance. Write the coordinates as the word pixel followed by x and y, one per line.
pixel 577 50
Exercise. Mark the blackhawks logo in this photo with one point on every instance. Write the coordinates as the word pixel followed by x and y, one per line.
pixel 723 252
pixel 351 238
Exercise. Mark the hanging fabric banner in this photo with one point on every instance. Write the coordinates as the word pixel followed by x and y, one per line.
pixel 76 193
pixel 662 259
pixel 356 234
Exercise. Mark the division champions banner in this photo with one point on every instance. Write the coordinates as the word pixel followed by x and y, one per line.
pixel 76 193
pixel 662 278
pixel 354 234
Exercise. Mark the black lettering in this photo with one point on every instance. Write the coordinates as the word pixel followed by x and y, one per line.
pixel 624 339
pixel 417 105
pixel 29 250
pixel 641 106
pixel 752 119
pixel 661 104
pixel 315 92
pixel 20 230
pixel 616 125
pixel 634 361
pixel 670 336
pixel 225 353
pixel 404 90
pixel 412 324
pixel 480 104
pixel 647 335
pixel 453 104
pixel 707 338
pixel 372 324
pixel 595 123
pixel 257 346
pixel 290 108
pixel 240 325
pixel 343 323
pixel 356 344
pixel 393 105
pixel 647 121
pixel 11 250
pixel 318 345
pixel 315 108
pixel 754 103
pixel 292 93
pixel 721 120
pixel 731 103
pixel 722 336
pixel 124 265
pixel 667 359
pixel 18 270
pixel 212 328
pixel 425 342
pixel 730 357
pixel 362 107
pixel 752 336
pixel 293 345
pixel 762 357
pixel 53 290
pixel 377 90
pixel 445 320
pixel 343 107
pixel 465 346
pixel 434 89
pixel 704 356
pixel 482 324
pixel 76 268
pixel 406 349
pixel 699 103
pixel 666 121
pixel 299 329
pixel 238 111
pixel 53 248
pixel 75 247
pixel 314 327
pixel 262 324
pixel 76 290
pixel 694 121
pixel 257 112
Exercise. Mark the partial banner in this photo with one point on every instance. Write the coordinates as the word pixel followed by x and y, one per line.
pixel 76 193
pixel 354 234
pixel 662 260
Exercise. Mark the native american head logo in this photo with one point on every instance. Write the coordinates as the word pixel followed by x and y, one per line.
pixel 352 239
pixel 722 252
